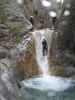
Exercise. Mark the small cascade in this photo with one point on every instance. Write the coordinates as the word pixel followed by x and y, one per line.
pixel 42 60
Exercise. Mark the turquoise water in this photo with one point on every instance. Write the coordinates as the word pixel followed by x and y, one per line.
pixel 48 88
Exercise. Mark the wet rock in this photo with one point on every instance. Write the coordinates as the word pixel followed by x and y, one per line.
pixel 42 14
pixel 15 26
pixel 6 63
pixel 27 64
pixel 3 52
pixel 8 86
pixel 69 71
pixel 16 14
pixel 56 66
pixel 4 31
pixel 16 18
pixel 28 8
pixel 3 26
pixel 61 60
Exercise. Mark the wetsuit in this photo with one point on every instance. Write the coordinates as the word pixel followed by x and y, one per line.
pixel 54 21
pixel 44 47
pixel 31 20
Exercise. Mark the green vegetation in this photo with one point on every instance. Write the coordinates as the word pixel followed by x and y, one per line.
pixel 3 16
pixel 35 12
pixel 16 30
pixel 18 38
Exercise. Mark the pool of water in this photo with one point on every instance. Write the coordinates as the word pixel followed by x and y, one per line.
pixel 48 88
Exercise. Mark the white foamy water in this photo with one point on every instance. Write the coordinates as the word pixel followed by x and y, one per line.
pixel 41 60
pixel 49 83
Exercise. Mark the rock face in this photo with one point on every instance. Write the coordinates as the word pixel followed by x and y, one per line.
pixel 61 60
pixel 8 87
pixel 54 54
pixel 41 15
pixel 27 64
pixel 16 24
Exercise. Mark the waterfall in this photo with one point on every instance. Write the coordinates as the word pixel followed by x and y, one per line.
pixel 45 86
pixel 41 60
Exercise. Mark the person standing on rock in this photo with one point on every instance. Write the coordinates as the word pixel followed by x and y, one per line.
pixel 44 47
pixel 32 21
pixel 54 19
pixel 53 16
